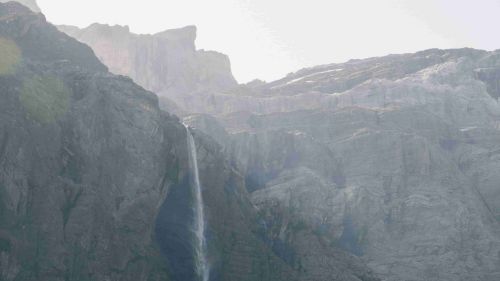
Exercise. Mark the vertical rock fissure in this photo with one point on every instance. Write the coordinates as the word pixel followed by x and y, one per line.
pixel 200 246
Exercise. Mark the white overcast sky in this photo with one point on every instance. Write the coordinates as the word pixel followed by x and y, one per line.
pixel 267 39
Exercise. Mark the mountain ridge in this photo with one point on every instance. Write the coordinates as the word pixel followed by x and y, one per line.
pixel 391 159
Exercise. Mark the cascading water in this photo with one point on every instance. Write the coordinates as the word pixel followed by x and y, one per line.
pixel 200 251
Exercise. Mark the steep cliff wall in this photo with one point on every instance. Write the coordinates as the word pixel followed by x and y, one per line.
pixel 392 159
pixel 166 63
pixel 68 211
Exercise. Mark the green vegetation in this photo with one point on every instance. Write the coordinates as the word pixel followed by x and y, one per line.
pixel 10 56
pixel 45 98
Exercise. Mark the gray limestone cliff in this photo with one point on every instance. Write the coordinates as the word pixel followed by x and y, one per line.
pixel 392 159
pixel 166 63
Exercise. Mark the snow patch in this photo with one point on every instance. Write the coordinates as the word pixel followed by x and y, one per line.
pixel 312 75
pixel 306 77
pixel 468 129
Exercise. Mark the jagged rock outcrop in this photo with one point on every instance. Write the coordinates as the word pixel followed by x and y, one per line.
pixel 90 166
pixel 166 63
pixel 392 159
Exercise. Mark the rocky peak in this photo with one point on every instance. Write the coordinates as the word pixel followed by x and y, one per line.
pixel 166 63
pixel 39 41
pixel 106 29
pixel 185 35
pixel 28 3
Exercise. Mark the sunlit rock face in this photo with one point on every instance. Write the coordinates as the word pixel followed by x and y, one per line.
pixel 392 159
pixel 28 3
pixel 166 63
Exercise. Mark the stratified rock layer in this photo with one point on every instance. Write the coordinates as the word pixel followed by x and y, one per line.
pixel 392 159
pixel 166 63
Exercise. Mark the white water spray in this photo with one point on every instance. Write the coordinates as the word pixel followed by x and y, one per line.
pixel 201 261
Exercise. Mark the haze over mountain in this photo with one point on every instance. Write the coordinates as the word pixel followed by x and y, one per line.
pixel 377 169
pixel 268 39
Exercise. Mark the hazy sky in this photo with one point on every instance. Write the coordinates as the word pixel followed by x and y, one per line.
pixel 267 39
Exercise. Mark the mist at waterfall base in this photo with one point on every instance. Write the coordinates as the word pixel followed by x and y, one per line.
pixel 181 225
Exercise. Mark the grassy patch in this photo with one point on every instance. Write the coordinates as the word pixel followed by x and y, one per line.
pixel 10 56
pixel 45 98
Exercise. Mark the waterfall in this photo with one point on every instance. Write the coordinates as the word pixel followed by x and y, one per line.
pixel 200 251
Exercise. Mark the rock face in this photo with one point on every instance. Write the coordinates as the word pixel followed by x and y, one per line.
pixel 391 162
pixel 391 159
pixel 93 175
pixel 166 63
pixel 28 3
pixel 236 248
pixel 491 77
pixel 326 86
pixel 68 212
